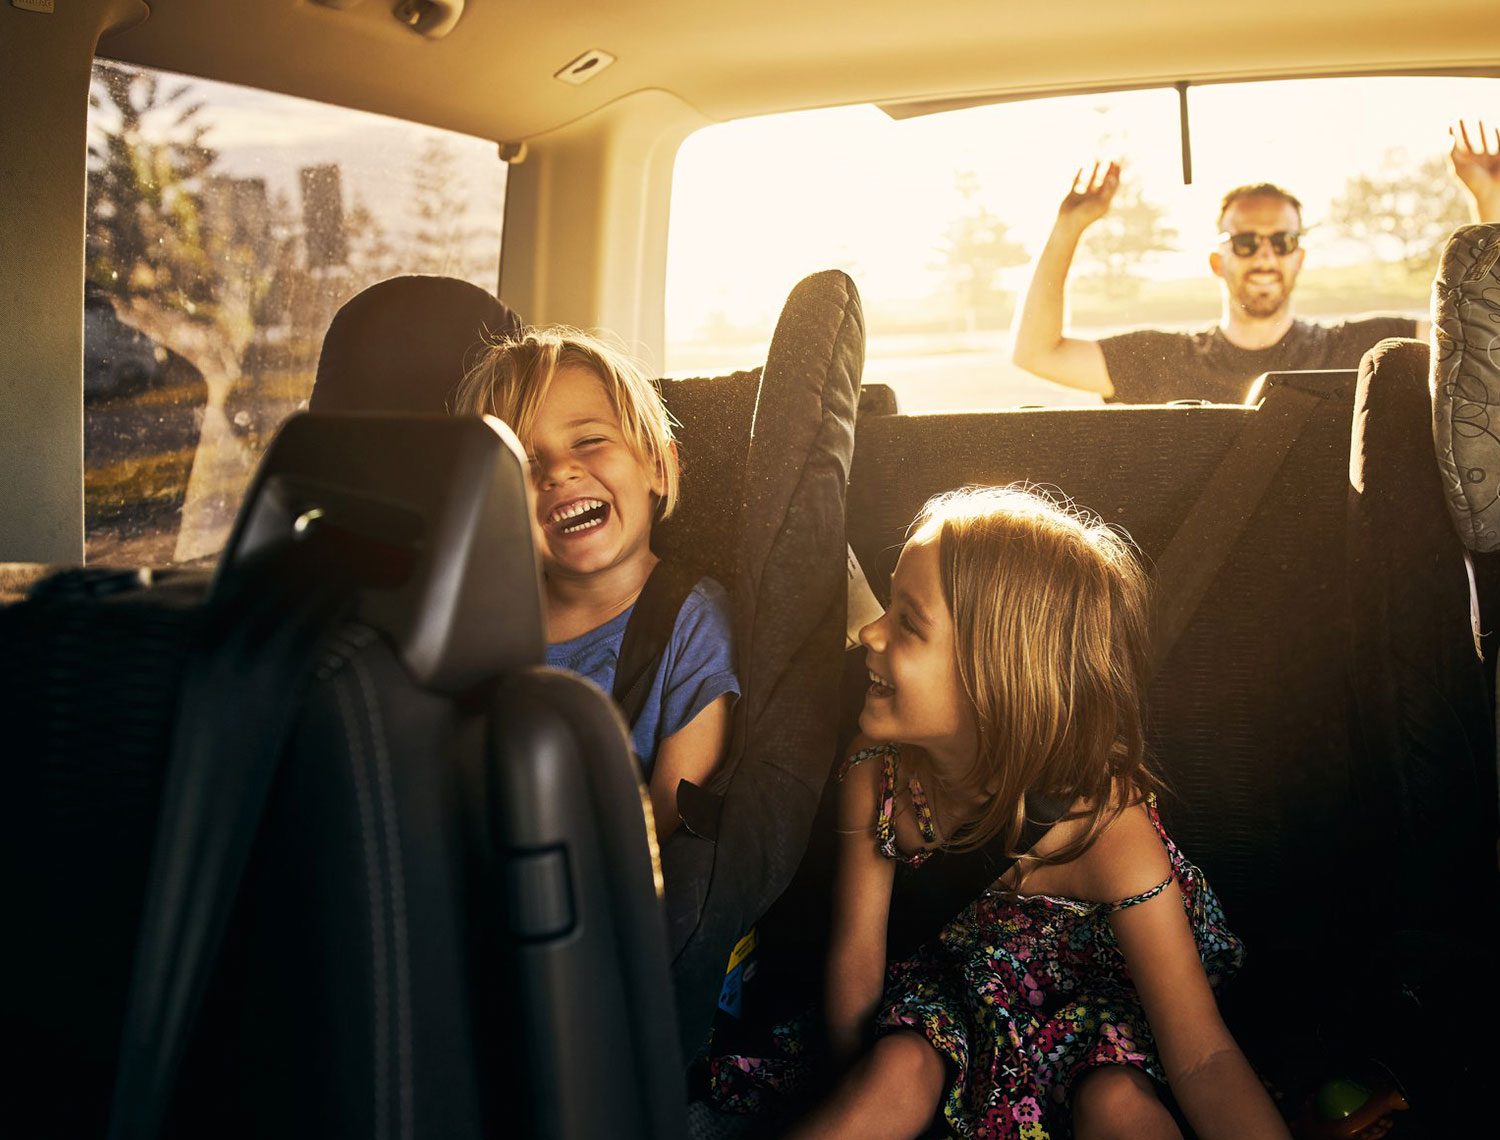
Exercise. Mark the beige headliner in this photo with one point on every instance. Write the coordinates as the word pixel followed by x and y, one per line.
pixel 492 76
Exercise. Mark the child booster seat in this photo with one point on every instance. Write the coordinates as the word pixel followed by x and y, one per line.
pixel 766 460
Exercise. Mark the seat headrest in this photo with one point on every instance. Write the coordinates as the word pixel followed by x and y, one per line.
pixel 1465 381
pixel 402 345
pixel 428 515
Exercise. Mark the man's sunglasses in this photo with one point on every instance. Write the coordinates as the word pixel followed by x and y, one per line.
pixel 1247 244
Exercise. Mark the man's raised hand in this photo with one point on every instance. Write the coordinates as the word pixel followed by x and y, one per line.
pixel 1088 199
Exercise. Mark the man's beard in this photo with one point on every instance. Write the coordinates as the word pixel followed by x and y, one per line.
pixel 1257 302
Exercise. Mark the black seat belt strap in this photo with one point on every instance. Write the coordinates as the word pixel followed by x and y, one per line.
pixel 242 687
pixel 1216 520
pixel 642 648
pixel 647 633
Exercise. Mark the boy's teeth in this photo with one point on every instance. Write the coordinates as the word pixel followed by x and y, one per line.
pixel 572 510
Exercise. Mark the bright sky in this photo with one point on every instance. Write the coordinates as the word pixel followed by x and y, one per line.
pixel 760 203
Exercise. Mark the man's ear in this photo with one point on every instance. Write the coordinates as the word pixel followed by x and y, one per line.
pixel 1216 263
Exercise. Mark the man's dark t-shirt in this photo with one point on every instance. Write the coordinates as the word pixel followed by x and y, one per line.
pixel 1151 366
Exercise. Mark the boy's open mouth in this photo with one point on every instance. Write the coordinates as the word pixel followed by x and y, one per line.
pixel 578 516
pixel 879 686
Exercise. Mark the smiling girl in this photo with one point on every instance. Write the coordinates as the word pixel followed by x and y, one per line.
pixel 1079 985
pixel 604 467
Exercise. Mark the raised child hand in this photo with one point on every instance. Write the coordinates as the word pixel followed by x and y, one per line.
pixel 1088 199
pixel 1476 163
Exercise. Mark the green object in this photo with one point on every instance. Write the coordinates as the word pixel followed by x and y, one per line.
pixel 1340 1098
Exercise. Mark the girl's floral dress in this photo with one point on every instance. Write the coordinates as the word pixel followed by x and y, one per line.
pixel 1024 994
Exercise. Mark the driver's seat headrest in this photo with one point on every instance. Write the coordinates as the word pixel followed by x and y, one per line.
pixel 402 345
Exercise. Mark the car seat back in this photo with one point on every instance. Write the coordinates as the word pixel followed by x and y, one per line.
pixel 1423 732
pixel 449 921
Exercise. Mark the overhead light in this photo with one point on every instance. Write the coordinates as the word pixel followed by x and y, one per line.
pixel 585 67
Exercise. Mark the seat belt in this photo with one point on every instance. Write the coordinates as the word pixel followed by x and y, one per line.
pixel 242 687
pixel 642 648
pixel 647 633
pixel 1216 520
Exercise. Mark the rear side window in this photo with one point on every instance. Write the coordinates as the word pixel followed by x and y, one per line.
pixel 225 228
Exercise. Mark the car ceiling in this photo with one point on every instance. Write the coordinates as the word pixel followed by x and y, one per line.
pixel 492 76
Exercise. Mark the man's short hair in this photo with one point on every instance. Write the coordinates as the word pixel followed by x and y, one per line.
pixel 1260 190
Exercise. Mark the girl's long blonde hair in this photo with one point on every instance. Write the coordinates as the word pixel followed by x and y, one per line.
pixel 1050 615
pixel 511 381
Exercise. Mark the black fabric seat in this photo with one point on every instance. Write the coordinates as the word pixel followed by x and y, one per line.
pixel 403 344
pixel 448 924
pixel 766 459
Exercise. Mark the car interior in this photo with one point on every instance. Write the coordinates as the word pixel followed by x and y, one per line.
pixel 304 839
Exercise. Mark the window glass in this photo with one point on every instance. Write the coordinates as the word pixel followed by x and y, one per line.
pixel 938 217
pixel 225 228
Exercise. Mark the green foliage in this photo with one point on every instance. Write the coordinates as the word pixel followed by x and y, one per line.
pixel 1404 212
pixel 443 237
pixel 147 163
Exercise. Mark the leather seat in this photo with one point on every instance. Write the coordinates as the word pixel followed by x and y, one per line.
pixel 448 922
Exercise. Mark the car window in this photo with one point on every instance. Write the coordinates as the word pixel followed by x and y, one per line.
pixel 225 228
pixel 938 217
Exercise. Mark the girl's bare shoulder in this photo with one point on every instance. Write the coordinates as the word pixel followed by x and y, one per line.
pixel 1127 859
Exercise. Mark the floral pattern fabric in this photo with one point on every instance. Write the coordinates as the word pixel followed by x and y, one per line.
pixel 1021 994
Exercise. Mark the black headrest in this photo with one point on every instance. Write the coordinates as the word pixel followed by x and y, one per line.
pixel 1465 381
pixel 428 514
pixel 402 345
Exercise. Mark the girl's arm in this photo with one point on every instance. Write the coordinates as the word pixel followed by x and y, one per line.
pixel 690 753
pixel 1210 1077
pixel 861 905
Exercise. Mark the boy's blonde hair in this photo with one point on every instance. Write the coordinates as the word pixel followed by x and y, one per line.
pixel 1050 616
pixel 512 380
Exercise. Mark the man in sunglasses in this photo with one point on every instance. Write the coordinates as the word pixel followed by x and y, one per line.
pixel 1257 258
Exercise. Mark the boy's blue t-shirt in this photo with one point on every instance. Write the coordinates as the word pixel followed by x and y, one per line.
pixel 697 667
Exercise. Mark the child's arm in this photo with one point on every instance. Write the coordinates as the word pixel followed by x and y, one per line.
pixel 861 906
pixel 690 753
pixel 698 694
pixel 1210 1077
